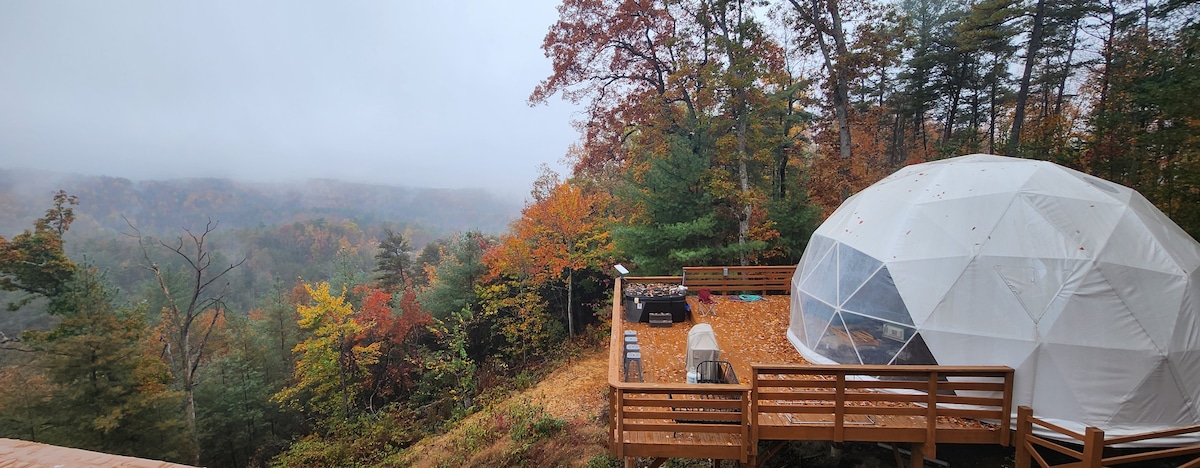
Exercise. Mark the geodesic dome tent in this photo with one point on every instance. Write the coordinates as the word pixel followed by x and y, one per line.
pixel 1082 286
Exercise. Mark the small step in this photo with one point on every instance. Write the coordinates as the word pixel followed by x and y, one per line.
pixel 660 319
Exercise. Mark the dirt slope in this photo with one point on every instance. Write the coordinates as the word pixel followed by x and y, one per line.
pixel 574 394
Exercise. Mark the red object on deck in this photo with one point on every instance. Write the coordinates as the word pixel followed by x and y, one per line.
pixel 707 303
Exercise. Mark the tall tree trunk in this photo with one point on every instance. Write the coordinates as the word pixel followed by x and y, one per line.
pixel 841 95
pixel 1031 56
pixel 955 96
pixel 992 115
pixel 189 390
pixel 342 365
pixel 834 60
pixel 1062 83
pixel 744 178
pixel 570 289
pixel 571 302
pixel 735 53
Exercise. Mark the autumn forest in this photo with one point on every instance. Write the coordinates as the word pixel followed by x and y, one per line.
pixel 714 132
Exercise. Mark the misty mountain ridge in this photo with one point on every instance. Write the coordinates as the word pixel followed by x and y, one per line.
pixel 166 206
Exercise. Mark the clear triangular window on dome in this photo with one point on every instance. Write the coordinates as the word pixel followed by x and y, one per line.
pixel 823 281
pixel 818 247
pixel 817 316
pixel 879 298
pixel 837 345
pixel 916 352
pixel 854 267
pixel 877 341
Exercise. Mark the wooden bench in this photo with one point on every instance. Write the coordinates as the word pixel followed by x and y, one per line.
pixel 726 280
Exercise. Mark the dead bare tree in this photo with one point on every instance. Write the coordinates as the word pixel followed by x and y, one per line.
pixel 187 325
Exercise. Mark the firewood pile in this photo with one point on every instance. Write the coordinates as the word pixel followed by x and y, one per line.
pixel 654 289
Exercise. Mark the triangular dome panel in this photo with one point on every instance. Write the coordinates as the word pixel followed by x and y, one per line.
pixel 924 283
pixel 1022 231
pixel 1085 225
pixel 1111 376
pixel 967 221
pixel 1095 316
pixel 1036 282
pixel 877 341
pixel 1060 404
pixel 1161 293
pixel 854 267
pixel 981 304
pixel 836 344
pixel 1133 244
pixel 817 315
pixel 823 282
pixel 879 298
pixel 816 250
pixel 1159 399
pixel 991 352
pixel 915 352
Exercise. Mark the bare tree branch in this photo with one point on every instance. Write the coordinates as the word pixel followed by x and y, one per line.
pixel 185 345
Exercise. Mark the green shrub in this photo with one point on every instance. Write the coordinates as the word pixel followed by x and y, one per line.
pixel 603 460
pixel 530 423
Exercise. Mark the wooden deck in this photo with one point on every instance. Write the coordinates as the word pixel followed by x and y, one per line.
pixel 922 405
pixel 915 404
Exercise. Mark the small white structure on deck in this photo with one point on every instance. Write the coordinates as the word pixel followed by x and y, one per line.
pixel 701 346
pixel 1082 286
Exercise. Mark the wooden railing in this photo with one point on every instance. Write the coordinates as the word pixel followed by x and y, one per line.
pixel 690 421
pixel 916 404
pixel 882 404
pixel 1091 454
pixel 672 420
pixel 762 279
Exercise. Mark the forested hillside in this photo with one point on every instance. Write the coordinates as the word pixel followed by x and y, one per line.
pixel 283 231
pixel 714 132
pixel 164 206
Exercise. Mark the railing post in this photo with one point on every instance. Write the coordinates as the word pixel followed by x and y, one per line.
pixel 1093 447
pixel 1024 430
pixel 839 408
pixel 931 416
pixel 753 395
pixel 749 443
pixel 618 422
pixel 1006 409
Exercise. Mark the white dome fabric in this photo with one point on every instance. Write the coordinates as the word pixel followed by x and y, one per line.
pixel 1081 285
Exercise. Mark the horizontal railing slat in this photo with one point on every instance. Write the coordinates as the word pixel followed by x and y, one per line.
pixel 629 403
pixel 970 413
pixel 796 383
pixel 971 400
pixel 704 415
pixel 1152 435
pixel 798 409
pixel 889 410
pixel 685 427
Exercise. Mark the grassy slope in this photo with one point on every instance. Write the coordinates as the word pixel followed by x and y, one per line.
pixel 573 394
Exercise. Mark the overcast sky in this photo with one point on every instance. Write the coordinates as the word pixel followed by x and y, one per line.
pixel 414 93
